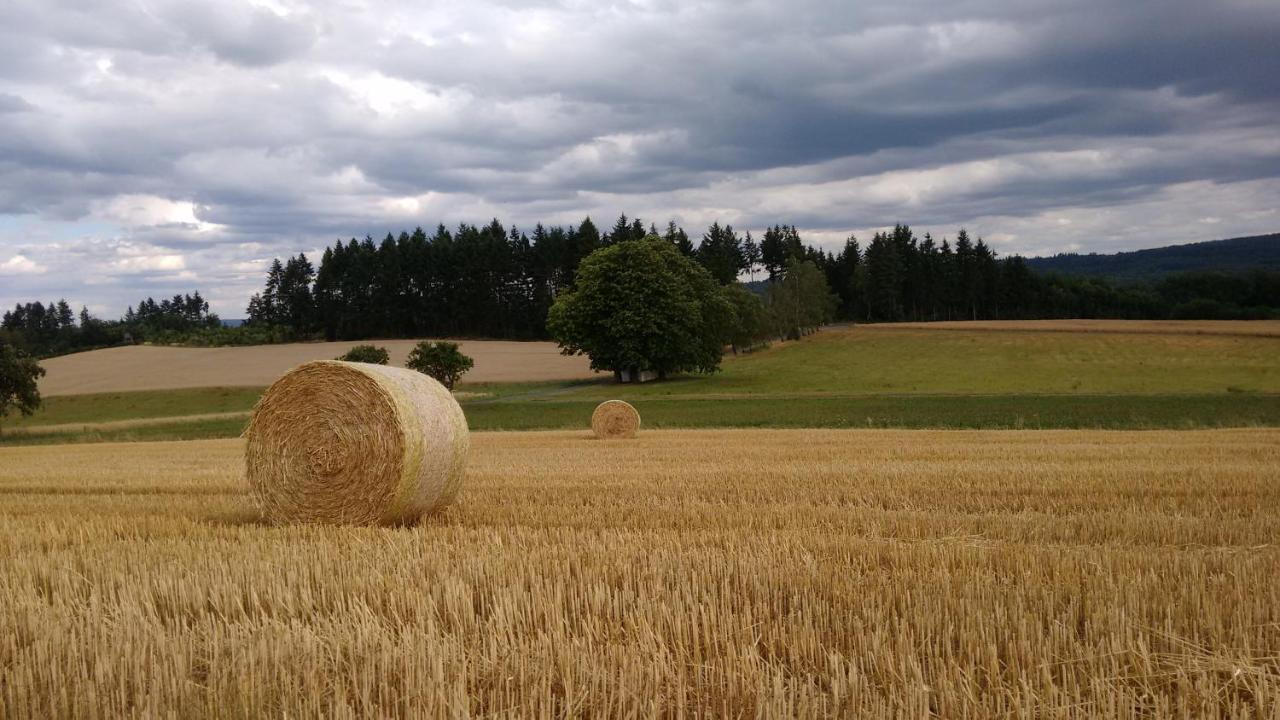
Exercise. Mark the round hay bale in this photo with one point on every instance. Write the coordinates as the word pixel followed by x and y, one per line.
pixel 353 443
pixel 615 420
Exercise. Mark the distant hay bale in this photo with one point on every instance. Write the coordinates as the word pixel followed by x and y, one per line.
pixel 353 443
pixel 615 420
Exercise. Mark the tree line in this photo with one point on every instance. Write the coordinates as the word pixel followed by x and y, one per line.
pixel 486 281
pixel 498 282
pixel 901 277
pixel 51 329
pixel 491 281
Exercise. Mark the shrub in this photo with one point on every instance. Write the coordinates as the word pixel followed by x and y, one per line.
pixel 366 354
pixel 441 360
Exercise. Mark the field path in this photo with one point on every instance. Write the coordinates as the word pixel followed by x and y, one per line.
pixel 143 367
pixel 74 428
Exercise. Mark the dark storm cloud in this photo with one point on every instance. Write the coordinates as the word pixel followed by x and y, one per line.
pixel 165 142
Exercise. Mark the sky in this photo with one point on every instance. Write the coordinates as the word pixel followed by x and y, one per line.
pixel 149 147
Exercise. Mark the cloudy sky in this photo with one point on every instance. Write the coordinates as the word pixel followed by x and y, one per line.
pixel 154 146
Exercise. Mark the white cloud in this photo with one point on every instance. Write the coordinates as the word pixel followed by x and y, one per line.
pixel 21 265
pixel 148 263
pixel 391 97
pixel 147 211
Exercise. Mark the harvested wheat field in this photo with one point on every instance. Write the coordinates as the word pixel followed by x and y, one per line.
pixel 725 573
pixel 146 367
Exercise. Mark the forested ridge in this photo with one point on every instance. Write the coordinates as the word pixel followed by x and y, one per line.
pixel 498 282
pixel 1242 254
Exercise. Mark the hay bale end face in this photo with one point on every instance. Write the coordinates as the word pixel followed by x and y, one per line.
pixel 615 420
pixel 355 444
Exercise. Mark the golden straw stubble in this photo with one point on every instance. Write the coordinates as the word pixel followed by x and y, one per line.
pixel 355 444
pixel 615 420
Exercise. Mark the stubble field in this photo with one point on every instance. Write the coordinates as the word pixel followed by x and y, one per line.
pixel 726 572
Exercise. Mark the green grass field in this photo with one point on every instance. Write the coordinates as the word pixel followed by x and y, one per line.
pixel 871 360
pixel 842 377
pixel 112 407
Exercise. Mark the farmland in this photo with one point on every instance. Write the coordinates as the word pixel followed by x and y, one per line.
pixel 780 571
pixel 769 572
pixel 142 367
pixel 1059 374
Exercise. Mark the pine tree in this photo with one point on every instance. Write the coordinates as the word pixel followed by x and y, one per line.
pixel 271 294
pixel 751 255
pixel 66 318
pixel 988 273
pixel 884 277
pixel 773 255
pixel 792 245
pixel 721 253
pixel 949 271
pixel 677 236
pixel 621 231
pixel 967 275
pixel 586 240
pixel 842 273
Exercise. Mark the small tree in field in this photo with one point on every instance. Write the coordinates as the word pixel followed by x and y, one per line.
pixel 18 374
pixel 366 354
pixel 441 360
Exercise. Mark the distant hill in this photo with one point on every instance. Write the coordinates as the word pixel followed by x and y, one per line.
pixel 1258 252
pixel 231 323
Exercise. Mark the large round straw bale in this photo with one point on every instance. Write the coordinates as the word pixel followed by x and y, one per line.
pixel 615 419
pixel 354 443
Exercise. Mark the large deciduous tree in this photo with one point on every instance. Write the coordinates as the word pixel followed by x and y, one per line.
pixel 641 305
pixel 18 375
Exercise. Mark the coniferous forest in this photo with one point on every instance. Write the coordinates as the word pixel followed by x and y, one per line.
pixel 490 281
pixel 496 282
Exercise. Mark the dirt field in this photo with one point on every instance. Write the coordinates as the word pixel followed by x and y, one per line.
pixel 163 368
pixel 715 573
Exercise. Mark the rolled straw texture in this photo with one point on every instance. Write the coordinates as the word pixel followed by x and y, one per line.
pixel 615 419
pixel 355 444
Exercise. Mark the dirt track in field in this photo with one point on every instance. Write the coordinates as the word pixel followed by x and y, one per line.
pixel 141 367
